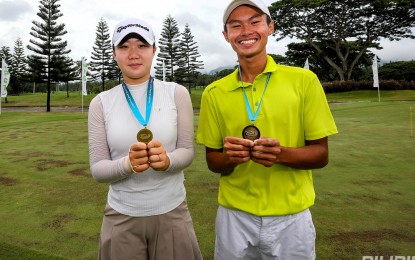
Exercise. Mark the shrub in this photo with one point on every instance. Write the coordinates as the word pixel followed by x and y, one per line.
pixel 344 86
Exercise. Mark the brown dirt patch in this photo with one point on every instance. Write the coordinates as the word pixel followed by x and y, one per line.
pixel 43 165
pixel 79 172
pixel 7 181
pixel 59 222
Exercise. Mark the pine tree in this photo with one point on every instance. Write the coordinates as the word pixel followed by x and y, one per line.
pixel 188 62
pixel 18 66
pixel 114 72
pixel 70 73
pixel 5 54
pixel 36 69
pixel 168 49
pixel 47 43
pixel 100 64
pixel 65 71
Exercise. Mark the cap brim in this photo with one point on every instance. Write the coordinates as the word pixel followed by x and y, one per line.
pixel 127 32
pixel 235 4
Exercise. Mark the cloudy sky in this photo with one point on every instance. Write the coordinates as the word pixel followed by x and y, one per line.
pixel 204 18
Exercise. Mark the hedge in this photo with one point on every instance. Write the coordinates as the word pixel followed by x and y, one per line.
pixel 344 86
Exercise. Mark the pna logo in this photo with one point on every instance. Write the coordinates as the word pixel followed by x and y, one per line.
pixel 396 257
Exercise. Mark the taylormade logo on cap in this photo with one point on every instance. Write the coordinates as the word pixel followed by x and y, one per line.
pixel 236 3
pixel 133 25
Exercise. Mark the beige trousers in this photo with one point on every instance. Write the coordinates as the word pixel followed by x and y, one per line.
pixel 169 236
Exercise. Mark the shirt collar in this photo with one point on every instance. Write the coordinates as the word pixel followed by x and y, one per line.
pixel 270 67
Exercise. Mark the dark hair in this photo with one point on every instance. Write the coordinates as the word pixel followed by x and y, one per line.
pixel 133 36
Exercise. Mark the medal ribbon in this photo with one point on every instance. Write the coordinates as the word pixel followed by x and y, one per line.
pixel 133 105
pixel 252 116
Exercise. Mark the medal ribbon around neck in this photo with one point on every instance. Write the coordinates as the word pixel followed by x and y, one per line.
pixel 252 116
pixel 133 105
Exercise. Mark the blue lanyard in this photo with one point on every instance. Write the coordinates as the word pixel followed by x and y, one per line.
pixel 133 105
pixel 252 116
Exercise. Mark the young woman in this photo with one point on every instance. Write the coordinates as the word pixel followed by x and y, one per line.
pixel 140 140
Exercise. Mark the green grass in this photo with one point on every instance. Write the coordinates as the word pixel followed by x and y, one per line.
pixel 48 200
pixel 372 95
pixel 365 197
pixel 59 99
pixel 51 208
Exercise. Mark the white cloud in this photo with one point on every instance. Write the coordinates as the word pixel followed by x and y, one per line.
pixel 396 50
pixel 13 10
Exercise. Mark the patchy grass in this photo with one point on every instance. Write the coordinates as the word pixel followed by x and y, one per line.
pixel 51 208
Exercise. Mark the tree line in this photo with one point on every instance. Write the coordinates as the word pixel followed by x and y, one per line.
pixel 50 63
pixel 178 51
pixel 341 31
pixel 334 35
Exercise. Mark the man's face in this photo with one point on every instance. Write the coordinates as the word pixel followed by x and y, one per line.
pixel 248 31
pixel 134 58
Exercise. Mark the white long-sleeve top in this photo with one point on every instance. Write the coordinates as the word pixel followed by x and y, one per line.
pixel 112 129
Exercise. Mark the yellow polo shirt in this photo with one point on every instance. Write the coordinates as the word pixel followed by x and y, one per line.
pixel 294 109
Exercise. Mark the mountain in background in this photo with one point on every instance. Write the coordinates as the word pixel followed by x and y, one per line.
pixel 212 72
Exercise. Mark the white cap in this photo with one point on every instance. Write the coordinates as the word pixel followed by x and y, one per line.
pixel 133 25
pixel 236 3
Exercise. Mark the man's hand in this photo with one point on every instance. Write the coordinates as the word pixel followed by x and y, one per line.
pixel 265 151
pixel 237 149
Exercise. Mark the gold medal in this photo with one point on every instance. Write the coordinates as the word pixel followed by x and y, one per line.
pixel 144 136
pixel 251 132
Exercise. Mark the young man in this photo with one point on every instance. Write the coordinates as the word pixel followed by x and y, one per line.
pixel 140 141
pixel 265 126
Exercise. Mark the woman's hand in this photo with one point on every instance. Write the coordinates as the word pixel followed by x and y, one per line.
pixel 139 158
pixel 157 156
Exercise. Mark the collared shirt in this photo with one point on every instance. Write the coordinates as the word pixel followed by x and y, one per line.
pixel 294 109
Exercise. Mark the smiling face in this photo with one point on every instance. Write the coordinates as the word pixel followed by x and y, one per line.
pixel 247 31
pixel 134 58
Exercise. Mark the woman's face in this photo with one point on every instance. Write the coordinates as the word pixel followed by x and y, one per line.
pixel 134 58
